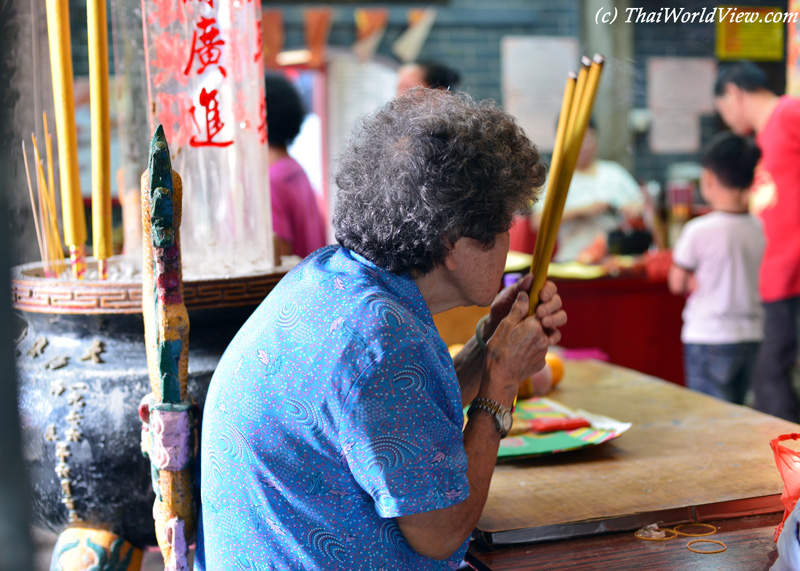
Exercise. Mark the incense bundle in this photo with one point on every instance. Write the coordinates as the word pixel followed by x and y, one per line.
pixel 576 108
pixel 44 209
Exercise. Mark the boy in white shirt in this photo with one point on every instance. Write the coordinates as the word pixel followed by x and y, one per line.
pixel 716 261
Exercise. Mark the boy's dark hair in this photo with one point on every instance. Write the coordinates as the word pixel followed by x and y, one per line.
pixel 745 75
pixel 732 159
pixel 285 111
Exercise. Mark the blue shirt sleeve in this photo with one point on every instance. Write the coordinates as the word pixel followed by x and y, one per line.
pixel 401 431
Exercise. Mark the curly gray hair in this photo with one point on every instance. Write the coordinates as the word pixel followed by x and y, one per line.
pixel 427 169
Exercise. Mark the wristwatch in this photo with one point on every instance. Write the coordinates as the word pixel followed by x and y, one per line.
pixel 502 415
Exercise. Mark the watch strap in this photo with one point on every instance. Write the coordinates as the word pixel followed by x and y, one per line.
pixel 495 408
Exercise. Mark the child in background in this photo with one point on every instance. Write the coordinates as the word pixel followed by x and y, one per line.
pixel 716 261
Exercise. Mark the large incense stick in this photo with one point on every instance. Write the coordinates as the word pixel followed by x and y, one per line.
pixel 558 150
pixel 580 105
pixel 580 93
pixel 61 70
pixel 571 102
pixel 101 152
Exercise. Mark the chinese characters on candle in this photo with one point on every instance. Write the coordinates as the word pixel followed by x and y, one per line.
pixel 205 70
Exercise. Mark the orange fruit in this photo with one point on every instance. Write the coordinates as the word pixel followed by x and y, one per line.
pixel 538 385
pixel 557 365
pixel 455 349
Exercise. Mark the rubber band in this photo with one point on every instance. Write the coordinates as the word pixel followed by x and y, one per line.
pixel 707 525
pixel 689 546
pixel 666 529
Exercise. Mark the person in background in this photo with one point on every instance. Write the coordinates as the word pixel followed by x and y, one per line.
pixel 601 196
pixel 333 431
pixel 296 221
pixel 426 73
pixel 716 260
pixel 747 104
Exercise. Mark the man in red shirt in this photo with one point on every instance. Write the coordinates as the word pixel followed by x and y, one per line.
pixel 748 105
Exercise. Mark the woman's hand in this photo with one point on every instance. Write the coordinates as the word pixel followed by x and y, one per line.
pixel 518 342
pixel 548 312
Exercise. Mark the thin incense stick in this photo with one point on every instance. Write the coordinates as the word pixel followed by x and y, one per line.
pixel 33 208
pixel 53 239
pixel 41 185
pixel 48 145
pixel 47 206
pixel 51 229
pixel 574 138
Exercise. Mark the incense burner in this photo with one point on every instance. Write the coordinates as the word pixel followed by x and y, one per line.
pixel 82 372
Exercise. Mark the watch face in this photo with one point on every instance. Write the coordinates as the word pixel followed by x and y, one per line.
pixel 506 420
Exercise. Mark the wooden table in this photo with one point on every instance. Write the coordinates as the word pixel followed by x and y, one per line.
pixel 748 540
pixel 687 457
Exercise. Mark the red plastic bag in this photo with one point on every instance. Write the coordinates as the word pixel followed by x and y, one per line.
pixel 788 462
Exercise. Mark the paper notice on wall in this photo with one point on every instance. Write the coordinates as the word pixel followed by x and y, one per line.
pixel 674 132
pixel 533 93
pixel 681 83
pixel 679 91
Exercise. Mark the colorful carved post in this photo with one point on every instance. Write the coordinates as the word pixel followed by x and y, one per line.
pixel 168 432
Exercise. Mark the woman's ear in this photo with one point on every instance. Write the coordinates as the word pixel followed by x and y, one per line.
pixel 454 253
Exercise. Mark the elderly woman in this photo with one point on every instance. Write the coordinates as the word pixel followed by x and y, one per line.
pixel 332 431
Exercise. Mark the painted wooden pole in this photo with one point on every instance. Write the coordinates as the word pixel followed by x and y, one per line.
pixel 168 430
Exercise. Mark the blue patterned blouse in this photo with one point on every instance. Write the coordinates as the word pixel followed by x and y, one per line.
pixel 334 410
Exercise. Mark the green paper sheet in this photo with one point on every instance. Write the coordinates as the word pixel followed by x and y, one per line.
pixel 602 429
